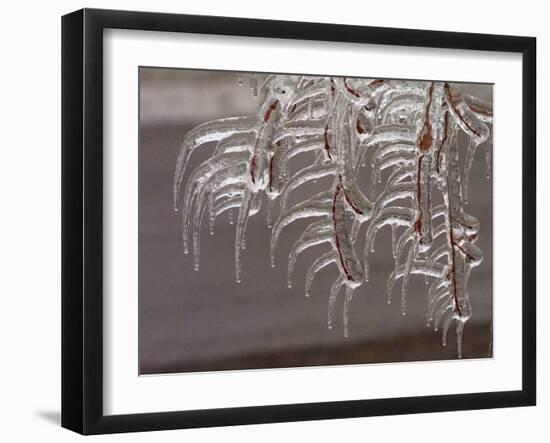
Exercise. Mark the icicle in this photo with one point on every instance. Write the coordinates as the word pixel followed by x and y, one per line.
pixel 439 314
pixel 394 240
pixel 269 210
pixel 393 160
pixel 308 174
pixel 203 201
pixel 392 148
pixel 386 134
pixel 459 334
pixel 185 237
pixel 348 263
pixel 313 207
pixel 407 272
pixel 282 157
pixel 300 128
pixel 211 214
pixel 401 244
pixel 202 134
pixel 241 222
pixel 308 94
pixel 228 204
pixel 470 153
pixel 317 265
pixel 445 330
pixel 345 312
pixel 410 102
pixel 239 142
pixel 424 190
pixel 355 226
pixel 315 234
pixel 388 216
pixel 395 192
pixel 442 295
pixel 214 174
pixel 468 121
pixel 334 290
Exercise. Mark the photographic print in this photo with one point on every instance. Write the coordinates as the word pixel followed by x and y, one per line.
pixel 291 220
pixel 295 238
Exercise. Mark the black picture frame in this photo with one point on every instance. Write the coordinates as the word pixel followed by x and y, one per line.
pixel 82 221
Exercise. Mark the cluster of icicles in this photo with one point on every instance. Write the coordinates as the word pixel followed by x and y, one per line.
pixel 413 134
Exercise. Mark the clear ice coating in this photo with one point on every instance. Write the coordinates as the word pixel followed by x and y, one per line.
pixel 410 132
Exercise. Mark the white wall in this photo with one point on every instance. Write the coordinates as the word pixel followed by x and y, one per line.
pixel 30 218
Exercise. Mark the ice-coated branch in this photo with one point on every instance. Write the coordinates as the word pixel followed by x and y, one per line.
pixel 409 134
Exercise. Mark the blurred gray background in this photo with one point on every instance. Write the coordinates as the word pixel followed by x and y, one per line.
pixel 202 320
